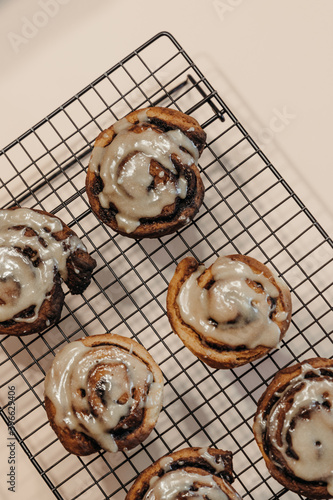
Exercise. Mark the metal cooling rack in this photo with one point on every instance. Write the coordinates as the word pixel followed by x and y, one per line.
pixel 248 208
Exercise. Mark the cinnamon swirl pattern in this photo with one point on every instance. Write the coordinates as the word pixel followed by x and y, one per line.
pixel 293 427
pixel 232 313
pixel 103 392
pixel 37 252
pixel 201 473
pixel 143 179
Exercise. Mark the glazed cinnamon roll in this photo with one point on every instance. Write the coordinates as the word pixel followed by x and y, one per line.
pixel 232 313
pixel 201 473
pixel 143 179
pixel 293 427
pixel 37 252
pixel 103 392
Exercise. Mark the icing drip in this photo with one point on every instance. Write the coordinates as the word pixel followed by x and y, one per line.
pixel 94 388
pixel 26 281
pixel 180 482
pixel 211 460
pixel 307 427
pixel 124 167
pixel 230 311
pixel 166 463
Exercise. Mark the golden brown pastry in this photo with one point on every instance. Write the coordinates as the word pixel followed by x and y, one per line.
pixel 143 180
pixel 201 473
pixel 293 427
pixel 232 313
pixel 103 392
pixel 37 252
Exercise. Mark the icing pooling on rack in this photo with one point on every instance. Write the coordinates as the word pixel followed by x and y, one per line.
pixel 128 185
pixel 311 438
pixel 240 315
pixel 71 386
pixel 172 484
pixel 23 284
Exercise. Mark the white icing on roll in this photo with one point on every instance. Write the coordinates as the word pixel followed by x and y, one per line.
pixel 310 436
pixel 70 386
pixel 240 315
pixel 173 483
pixel 211 460
pixel 166 463
pixel 124 166
pixel 23 284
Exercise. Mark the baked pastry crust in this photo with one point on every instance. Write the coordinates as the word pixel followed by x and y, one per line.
pixel 30 243
pixel 181 208
pixel 204 463
pixel 285 433
pixel 216 352
pixel 110 387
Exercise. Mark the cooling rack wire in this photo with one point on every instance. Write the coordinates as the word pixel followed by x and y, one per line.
pixel 248 208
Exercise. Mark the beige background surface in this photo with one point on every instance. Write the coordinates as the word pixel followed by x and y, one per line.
pixel 270 60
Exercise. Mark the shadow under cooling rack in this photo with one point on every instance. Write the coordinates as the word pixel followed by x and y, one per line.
pixel 248 208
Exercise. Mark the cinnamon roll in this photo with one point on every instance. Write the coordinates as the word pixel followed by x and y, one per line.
pixel 143 179
pixel 293 427
pixel 231 313
pixel 201 473
pixel 103 392
pixel 37 252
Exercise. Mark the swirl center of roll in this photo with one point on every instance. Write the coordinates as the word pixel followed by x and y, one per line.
pixel 29 257
pixel 99 388
pixel 230 310
pixel 125 164
pixel 305 439
pixel 107 386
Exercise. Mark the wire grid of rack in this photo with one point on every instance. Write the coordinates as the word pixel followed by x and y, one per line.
pixel 248 208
